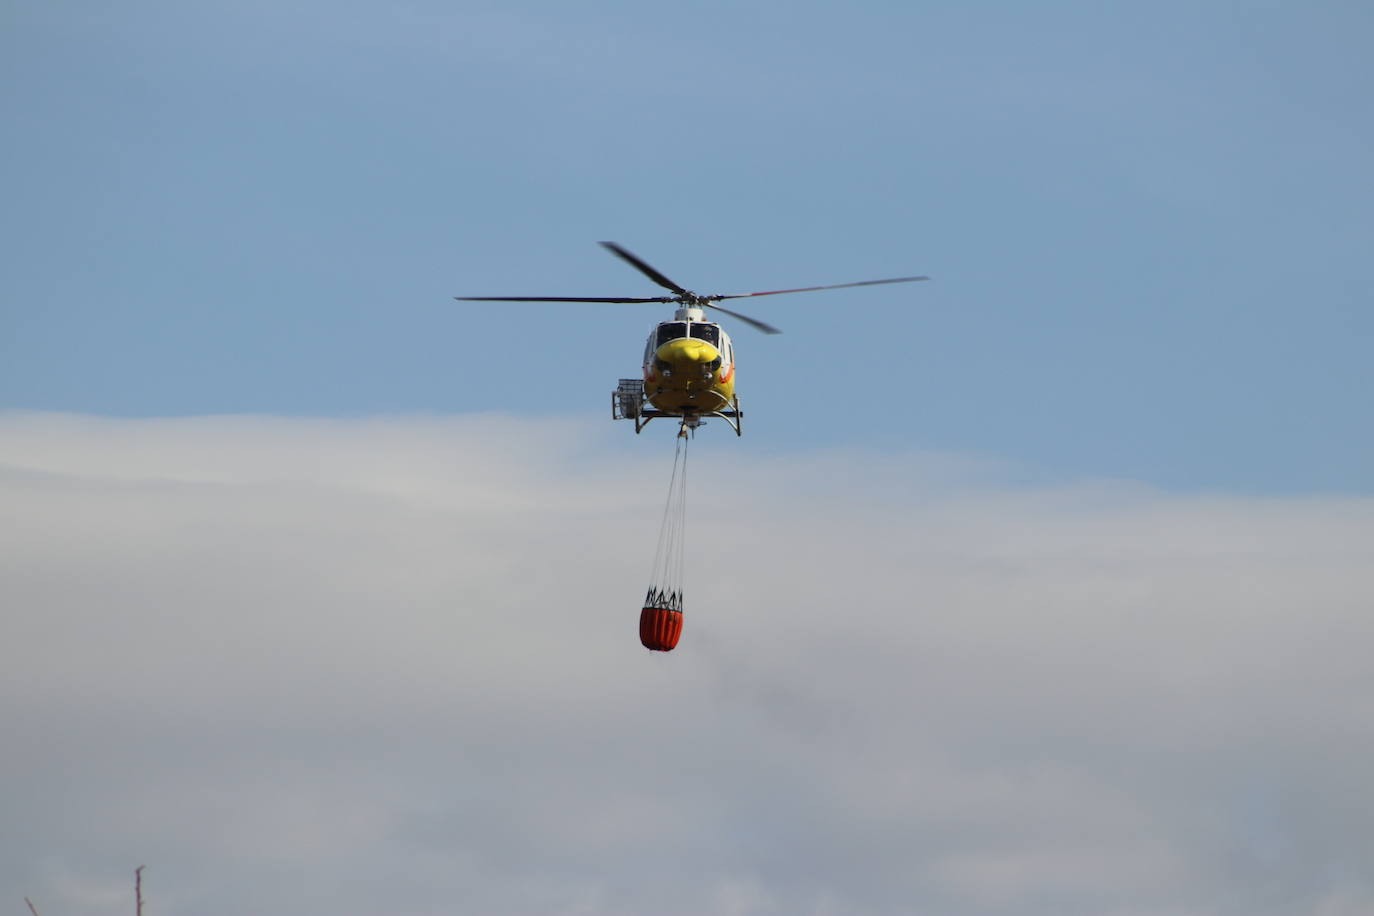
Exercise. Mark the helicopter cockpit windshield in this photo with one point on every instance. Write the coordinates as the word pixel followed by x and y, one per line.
pixel 673 330
pixel 670 330
pixel 707 332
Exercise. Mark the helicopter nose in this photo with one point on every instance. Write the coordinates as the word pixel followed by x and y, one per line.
pixel 686 352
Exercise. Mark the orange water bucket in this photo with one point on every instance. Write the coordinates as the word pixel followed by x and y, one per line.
pixel 660 628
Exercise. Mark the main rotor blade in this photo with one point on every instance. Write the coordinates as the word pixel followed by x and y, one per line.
pixel 644 268
pixel 765 328
pixel 621 299
pixel 808 289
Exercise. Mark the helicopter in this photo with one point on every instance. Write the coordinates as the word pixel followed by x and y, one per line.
pixel 689 362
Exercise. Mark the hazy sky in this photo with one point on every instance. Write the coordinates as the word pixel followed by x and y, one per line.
pixel 345 666
pixel 1040 588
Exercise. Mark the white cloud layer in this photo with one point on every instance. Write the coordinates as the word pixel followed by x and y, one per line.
pixel 391 665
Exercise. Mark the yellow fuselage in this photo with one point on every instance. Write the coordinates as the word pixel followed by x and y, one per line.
pixel 687 375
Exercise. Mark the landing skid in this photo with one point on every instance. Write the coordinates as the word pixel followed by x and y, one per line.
pixel 629 403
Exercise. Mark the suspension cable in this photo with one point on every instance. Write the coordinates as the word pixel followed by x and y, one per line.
pixel 669 569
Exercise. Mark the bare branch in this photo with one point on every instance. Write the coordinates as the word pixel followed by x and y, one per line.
pixel 31 909
pixel 138 890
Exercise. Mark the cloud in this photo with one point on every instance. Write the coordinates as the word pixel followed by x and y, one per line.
pixel 346 665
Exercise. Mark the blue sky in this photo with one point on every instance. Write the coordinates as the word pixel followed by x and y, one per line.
pixel 1148 228
pixel 1041 588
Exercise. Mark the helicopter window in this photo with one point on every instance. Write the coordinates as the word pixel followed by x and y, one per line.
pixel 707 332
pixel 670 331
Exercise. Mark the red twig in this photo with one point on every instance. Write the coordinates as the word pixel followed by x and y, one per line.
pixel 138 890
pixel 31 909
